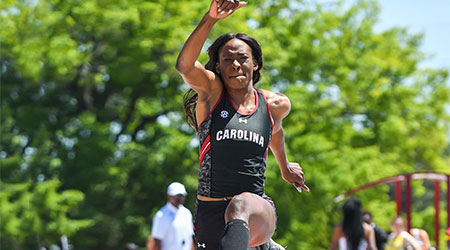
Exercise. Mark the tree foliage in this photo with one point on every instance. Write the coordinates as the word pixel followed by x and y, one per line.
pixel 92 126
pixel 38 215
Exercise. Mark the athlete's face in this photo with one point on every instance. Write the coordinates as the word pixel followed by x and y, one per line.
pixel 236 64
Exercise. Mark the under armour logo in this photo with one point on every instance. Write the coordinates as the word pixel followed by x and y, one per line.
pixel 224 114
pixel 242 120
pixel 201 245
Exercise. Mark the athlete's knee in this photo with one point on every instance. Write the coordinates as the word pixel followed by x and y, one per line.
pixel 238 208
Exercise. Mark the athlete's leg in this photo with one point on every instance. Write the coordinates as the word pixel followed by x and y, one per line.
pixel 256 212
pixel 209 224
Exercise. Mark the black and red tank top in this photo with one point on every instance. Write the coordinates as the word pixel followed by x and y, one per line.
pixel 233 149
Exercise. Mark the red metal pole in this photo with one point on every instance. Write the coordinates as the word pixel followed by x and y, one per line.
pixel 436 215
pixel 398 197
pixel 448 200
pixel 448 207
pixel 408 202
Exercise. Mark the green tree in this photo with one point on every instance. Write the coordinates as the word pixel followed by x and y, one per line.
pixel 38 214
pixel 362 110
pixel 90 98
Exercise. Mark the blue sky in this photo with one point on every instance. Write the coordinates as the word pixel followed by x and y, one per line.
pixel 430 17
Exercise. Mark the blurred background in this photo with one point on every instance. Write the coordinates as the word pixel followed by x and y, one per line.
pixel 92 126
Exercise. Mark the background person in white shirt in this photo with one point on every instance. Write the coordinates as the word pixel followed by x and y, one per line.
pixel 172 227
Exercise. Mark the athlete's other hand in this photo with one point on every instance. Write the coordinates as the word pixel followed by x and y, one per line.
pixel 295 176
pixel 220 9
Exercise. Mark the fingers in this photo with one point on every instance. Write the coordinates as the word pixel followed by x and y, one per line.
pixel 226 7
pixel 299 187
pixel 220 5
pixel 306 188
pixel 240 4
pixel 299 177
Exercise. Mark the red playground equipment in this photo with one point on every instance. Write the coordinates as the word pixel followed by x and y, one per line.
pixel 427 176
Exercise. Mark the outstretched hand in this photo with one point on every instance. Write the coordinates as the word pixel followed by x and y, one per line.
pixel 295 176
pixel 220 9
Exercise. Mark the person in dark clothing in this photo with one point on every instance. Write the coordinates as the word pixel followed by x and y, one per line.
pixel 236 124
pixel 380 235
pixel 353 233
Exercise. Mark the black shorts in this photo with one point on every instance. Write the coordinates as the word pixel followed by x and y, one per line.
pixel 209 222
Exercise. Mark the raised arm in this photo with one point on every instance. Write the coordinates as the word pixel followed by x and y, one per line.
pixel 192 71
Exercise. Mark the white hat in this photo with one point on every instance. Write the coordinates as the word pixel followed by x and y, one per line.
pixel 176 188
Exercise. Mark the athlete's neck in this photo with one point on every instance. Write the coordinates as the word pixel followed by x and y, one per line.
pixel 244 100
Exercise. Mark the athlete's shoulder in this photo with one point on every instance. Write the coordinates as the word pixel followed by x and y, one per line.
pixel 279 103
pixel 275 98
